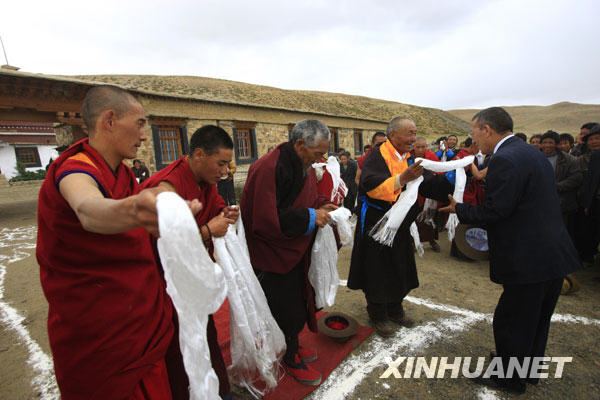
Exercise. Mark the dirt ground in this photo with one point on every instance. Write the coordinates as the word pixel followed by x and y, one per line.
pixel 451 310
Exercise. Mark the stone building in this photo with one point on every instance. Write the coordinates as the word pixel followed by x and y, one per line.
pixel 174 116
pixel 32 144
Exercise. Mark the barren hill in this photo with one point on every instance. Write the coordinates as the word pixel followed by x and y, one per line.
pixel 430 121
pixel 560 117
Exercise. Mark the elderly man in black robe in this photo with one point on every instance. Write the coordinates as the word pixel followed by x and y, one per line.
pixel 281 209
pixel 387 274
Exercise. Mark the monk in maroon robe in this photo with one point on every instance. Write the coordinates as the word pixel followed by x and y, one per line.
pixel 281 209
pixel 109 317
pixel 194 177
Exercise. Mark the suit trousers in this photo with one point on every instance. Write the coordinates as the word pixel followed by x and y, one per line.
pixel 522 319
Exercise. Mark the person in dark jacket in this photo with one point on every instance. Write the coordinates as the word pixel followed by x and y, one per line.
pixel 530 249
pixel 566 142
pixel 580 147
pixel 568 178
pixel 348 168
pixel 588 220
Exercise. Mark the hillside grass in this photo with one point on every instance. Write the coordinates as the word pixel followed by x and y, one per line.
pixel 562 117
pixel 430 122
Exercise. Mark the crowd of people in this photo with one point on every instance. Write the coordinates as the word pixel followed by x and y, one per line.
pixel 112 327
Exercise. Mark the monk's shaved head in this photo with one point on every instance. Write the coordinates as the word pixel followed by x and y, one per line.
pixel 399 123
pixel 101 98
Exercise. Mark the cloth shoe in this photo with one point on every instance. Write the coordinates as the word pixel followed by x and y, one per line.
pixel 506 385
pixel 384 328
pixel 396 315
pixel 306 354
pixel 303 373
pixel 434 246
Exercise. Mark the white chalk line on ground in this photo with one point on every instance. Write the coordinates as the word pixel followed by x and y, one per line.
pixel 19 239
pixel 563 318
pixel 486 394
pixel 348 375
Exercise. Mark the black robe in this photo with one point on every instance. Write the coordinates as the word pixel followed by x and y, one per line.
pixel 348 175
pixel 386 274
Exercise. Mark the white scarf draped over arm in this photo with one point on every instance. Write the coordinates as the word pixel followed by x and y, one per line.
pixel 257 343
pixel 384 231
pixel 196 286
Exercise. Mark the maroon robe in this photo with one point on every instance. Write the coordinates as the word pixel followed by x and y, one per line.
pixel 180 175
pixel 270 249
pixel 109 317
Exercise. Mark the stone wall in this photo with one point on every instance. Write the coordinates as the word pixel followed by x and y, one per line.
pixel 64 135
pixel 271 126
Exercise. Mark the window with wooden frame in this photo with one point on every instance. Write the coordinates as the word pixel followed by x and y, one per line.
pixel 334 145
pixel 244 136
pixel 170 142
pixel 28 156
pixel 358 142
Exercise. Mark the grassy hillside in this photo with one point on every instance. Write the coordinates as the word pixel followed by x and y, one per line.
pixel 561 117
pixel 430 122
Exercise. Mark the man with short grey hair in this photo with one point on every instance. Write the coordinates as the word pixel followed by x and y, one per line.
pixel 530 249
pixel 387 274
pixel 281 209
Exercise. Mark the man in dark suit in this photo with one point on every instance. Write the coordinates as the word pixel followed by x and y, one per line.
pixel 530 249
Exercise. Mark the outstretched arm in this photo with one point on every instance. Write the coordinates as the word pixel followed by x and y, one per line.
pixel 501 197
pixel 109 216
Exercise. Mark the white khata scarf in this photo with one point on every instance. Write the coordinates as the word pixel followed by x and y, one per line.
pixel 196 286
pixel 333 167
pixel 257 343
pixel 385 230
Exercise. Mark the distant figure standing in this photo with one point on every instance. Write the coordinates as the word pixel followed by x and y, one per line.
pixel 568 178
pixel 452 142
pixel 140 171
pixel 348 169
pixel 225 186
pixel 567 141
pixel 536 141
pixel 378 137
pixel 580 147
pixel 588 215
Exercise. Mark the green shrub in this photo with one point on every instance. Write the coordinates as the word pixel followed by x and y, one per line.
pixel 24 175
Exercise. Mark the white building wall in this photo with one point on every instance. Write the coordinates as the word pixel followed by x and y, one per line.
pixel 8 159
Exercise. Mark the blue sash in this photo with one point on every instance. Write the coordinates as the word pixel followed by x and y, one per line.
pixel 363 212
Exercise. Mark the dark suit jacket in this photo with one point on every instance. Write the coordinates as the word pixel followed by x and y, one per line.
pixel 527 238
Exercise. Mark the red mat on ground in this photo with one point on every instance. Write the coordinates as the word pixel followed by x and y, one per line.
pixel 330 354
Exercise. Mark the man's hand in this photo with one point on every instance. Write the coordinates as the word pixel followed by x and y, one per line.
pixel 232 212
pixel 411 173
pixel 450 208
pixel 329 207
pixel 219 224
pixel 194 205
pixel 322 215
pixel 144 209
